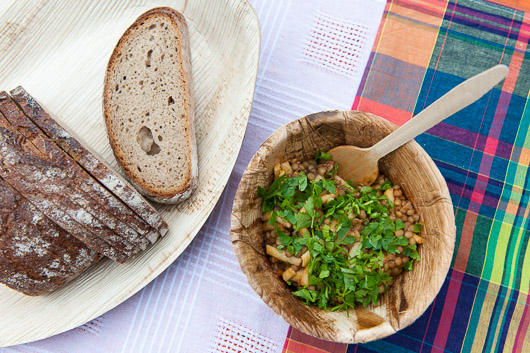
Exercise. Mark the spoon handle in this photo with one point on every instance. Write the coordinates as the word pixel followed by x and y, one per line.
pixel 456 99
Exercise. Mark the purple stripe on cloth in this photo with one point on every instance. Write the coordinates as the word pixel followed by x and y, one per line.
pixel 474 182
pixel 501 20
pixel 462 171
pixel 402 82
pixel 467 138
pixel 367 70
pixel 428 10
pixel 479 25
pixel 481 143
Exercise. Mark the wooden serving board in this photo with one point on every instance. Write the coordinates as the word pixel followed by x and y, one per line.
pixel 58 51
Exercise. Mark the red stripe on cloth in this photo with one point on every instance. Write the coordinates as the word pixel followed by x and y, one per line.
pixel 509 83
pixel 449 310
pixel 466 240
pixel 491 145
pixel 298 342
pixel 394 115
pixel 430 8
pixel 522 330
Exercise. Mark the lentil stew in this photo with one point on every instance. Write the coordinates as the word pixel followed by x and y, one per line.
pixel 336 244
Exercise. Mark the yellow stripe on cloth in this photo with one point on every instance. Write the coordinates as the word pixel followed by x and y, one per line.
pixel 515 321
pixel 479 339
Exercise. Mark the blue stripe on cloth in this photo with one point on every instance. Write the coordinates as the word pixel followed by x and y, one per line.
pixel 359 348
pixel 471 118
pixel 480 25
pixel 447 151
pixel 463 308
pixel 384 346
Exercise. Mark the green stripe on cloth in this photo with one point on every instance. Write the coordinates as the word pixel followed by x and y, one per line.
pixel 479 244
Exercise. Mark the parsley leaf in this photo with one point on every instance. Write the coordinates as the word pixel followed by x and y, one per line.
pixel 329 185
pixel 308 295
pixel 322 156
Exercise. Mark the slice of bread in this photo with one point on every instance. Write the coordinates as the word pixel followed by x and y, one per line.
pixel 149 107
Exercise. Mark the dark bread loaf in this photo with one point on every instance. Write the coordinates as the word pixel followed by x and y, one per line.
pixel 149 106
pixel 89 191
pixel 56 217
pixel 56 181
pixel 36 256
pixel 41 183
pixel 96 167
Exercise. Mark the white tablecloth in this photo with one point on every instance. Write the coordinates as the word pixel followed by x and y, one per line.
pixel 313 55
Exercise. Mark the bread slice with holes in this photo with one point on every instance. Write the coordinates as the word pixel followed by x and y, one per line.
pixel 149 107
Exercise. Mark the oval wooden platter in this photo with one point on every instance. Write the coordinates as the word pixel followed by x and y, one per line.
pixel 58 51
pixel 409 166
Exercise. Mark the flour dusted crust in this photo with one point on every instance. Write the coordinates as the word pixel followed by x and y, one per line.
pixel 36 256
pixel 88 193
pixel 141 216
pixel 56 178
pixel 41 184
pixel 156 147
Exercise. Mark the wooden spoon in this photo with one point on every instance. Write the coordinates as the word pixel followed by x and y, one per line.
pixel 360 164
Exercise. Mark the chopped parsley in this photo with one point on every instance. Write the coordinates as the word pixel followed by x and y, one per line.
pixel 336 279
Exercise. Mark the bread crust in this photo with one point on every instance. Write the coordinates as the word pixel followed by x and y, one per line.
pixel 159 195
pixel 138 213
pixel 44 185
pixel 36 256
pixel 76 186
pixel 96 198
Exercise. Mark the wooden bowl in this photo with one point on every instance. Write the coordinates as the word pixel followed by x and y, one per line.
pixel 409 166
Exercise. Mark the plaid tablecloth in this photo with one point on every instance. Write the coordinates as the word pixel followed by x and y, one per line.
pixel 423 49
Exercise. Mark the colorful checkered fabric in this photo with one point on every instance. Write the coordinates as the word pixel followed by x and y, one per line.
pixel 423 49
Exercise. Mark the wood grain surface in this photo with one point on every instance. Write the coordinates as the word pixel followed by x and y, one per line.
pixel 408 166
pixel 58 52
